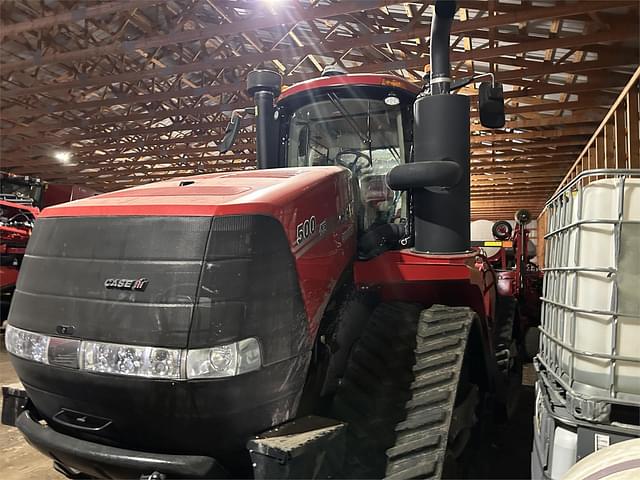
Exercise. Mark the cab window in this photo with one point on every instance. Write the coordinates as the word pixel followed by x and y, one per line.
pixel 362 135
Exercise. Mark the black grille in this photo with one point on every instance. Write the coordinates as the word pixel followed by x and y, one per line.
pixel 62 279
pixel 249 288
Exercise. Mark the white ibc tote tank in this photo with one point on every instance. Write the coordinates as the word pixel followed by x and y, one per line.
pixel 591 307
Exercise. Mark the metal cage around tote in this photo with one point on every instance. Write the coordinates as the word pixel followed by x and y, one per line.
pixel 590 328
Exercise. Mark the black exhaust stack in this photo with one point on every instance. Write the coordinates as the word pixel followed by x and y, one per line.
pixel 441 153
pixel 264 86
pixel 442 215
pixel 445 10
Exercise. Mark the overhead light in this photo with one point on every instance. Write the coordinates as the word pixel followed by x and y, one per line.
pixel 62 156
pixel 392 100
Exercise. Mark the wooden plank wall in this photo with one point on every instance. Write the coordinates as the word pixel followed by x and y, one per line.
pixel 615 144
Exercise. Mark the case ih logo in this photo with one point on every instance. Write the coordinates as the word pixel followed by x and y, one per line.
pixel 126 283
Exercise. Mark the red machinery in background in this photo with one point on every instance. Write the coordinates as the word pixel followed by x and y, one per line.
pixel 33 191
pixel 16 222
pixel 21 199
pixel 517 276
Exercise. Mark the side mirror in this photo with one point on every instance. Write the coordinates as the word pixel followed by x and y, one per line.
pixel 491 105
pixel 230 133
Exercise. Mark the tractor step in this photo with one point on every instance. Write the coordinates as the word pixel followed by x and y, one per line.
pixel 309 447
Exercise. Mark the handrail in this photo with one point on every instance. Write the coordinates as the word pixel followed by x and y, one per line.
pixel 623 135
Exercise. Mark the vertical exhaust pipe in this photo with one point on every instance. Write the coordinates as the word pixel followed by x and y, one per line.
pixel 445 10
pixel 264 86
pixel 441 124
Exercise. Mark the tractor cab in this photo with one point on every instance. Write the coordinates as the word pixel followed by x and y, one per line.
pixel 359 122
pixel 365 123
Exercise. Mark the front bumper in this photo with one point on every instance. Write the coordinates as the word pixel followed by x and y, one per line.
pixel 103 461
pixel 314 448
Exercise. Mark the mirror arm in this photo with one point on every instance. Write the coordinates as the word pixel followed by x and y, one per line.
pixel 463 82
pixel 232 127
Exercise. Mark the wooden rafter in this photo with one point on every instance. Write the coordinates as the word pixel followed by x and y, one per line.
pixel 139 91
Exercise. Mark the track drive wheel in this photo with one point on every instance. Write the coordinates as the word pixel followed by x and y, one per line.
pixel 398 393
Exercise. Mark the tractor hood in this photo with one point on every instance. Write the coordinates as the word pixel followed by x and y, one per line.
pixel 152 265
pixel 130 280
pixel 145 266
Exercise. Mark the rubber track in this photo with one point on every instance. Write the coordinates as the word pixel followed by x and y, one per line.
pixel 421 438
pixel 375 387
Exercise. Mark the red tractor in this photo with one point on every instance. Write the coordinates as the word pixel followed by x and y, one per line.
pixel 322 316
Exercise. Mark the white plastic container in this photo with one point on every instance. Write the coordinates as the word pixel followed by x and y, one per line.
pixel 563 454
pixel 592 289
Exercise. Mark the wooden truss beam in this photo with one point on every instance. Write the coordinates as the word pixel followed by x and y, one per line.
pixel 327 48
pixel 75 15
pixel 249 25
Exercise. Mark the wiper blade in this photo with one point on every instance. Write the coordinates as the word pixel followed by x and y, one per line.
pixel 340 106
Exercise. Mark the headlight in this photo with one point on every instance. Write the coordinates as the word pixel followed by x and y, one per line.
pixel 148 362
pixel 224 361
pixel 132 360
pixel 29 345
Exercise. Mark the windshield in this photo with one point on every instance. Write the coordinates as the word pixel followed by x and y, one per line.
pixel 363 135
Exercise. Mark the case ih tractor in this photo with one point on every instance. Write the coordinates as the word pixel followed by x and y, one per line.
pixel 322 316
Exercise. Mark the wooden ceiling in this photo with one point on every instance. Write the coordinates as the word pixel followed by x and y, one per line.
pixel 113 94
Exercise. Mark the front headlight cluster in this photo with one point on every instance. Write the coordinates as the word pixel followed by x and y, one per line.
pixel 29 345
pixel 224 361
pixel 132 360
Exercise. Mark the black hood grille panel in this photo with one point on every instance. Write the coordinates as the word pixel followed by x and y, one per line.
pixel 68 260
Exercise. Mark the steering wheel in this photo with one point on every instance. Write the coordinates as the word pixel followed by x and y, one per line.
pixel 353 166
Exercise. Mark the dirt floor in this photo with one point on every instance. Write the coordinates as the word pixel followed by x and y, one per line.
pixel 505 453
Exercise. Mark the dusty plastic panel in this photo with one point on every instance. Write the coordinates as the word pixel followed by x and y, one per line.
pixel 311 447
